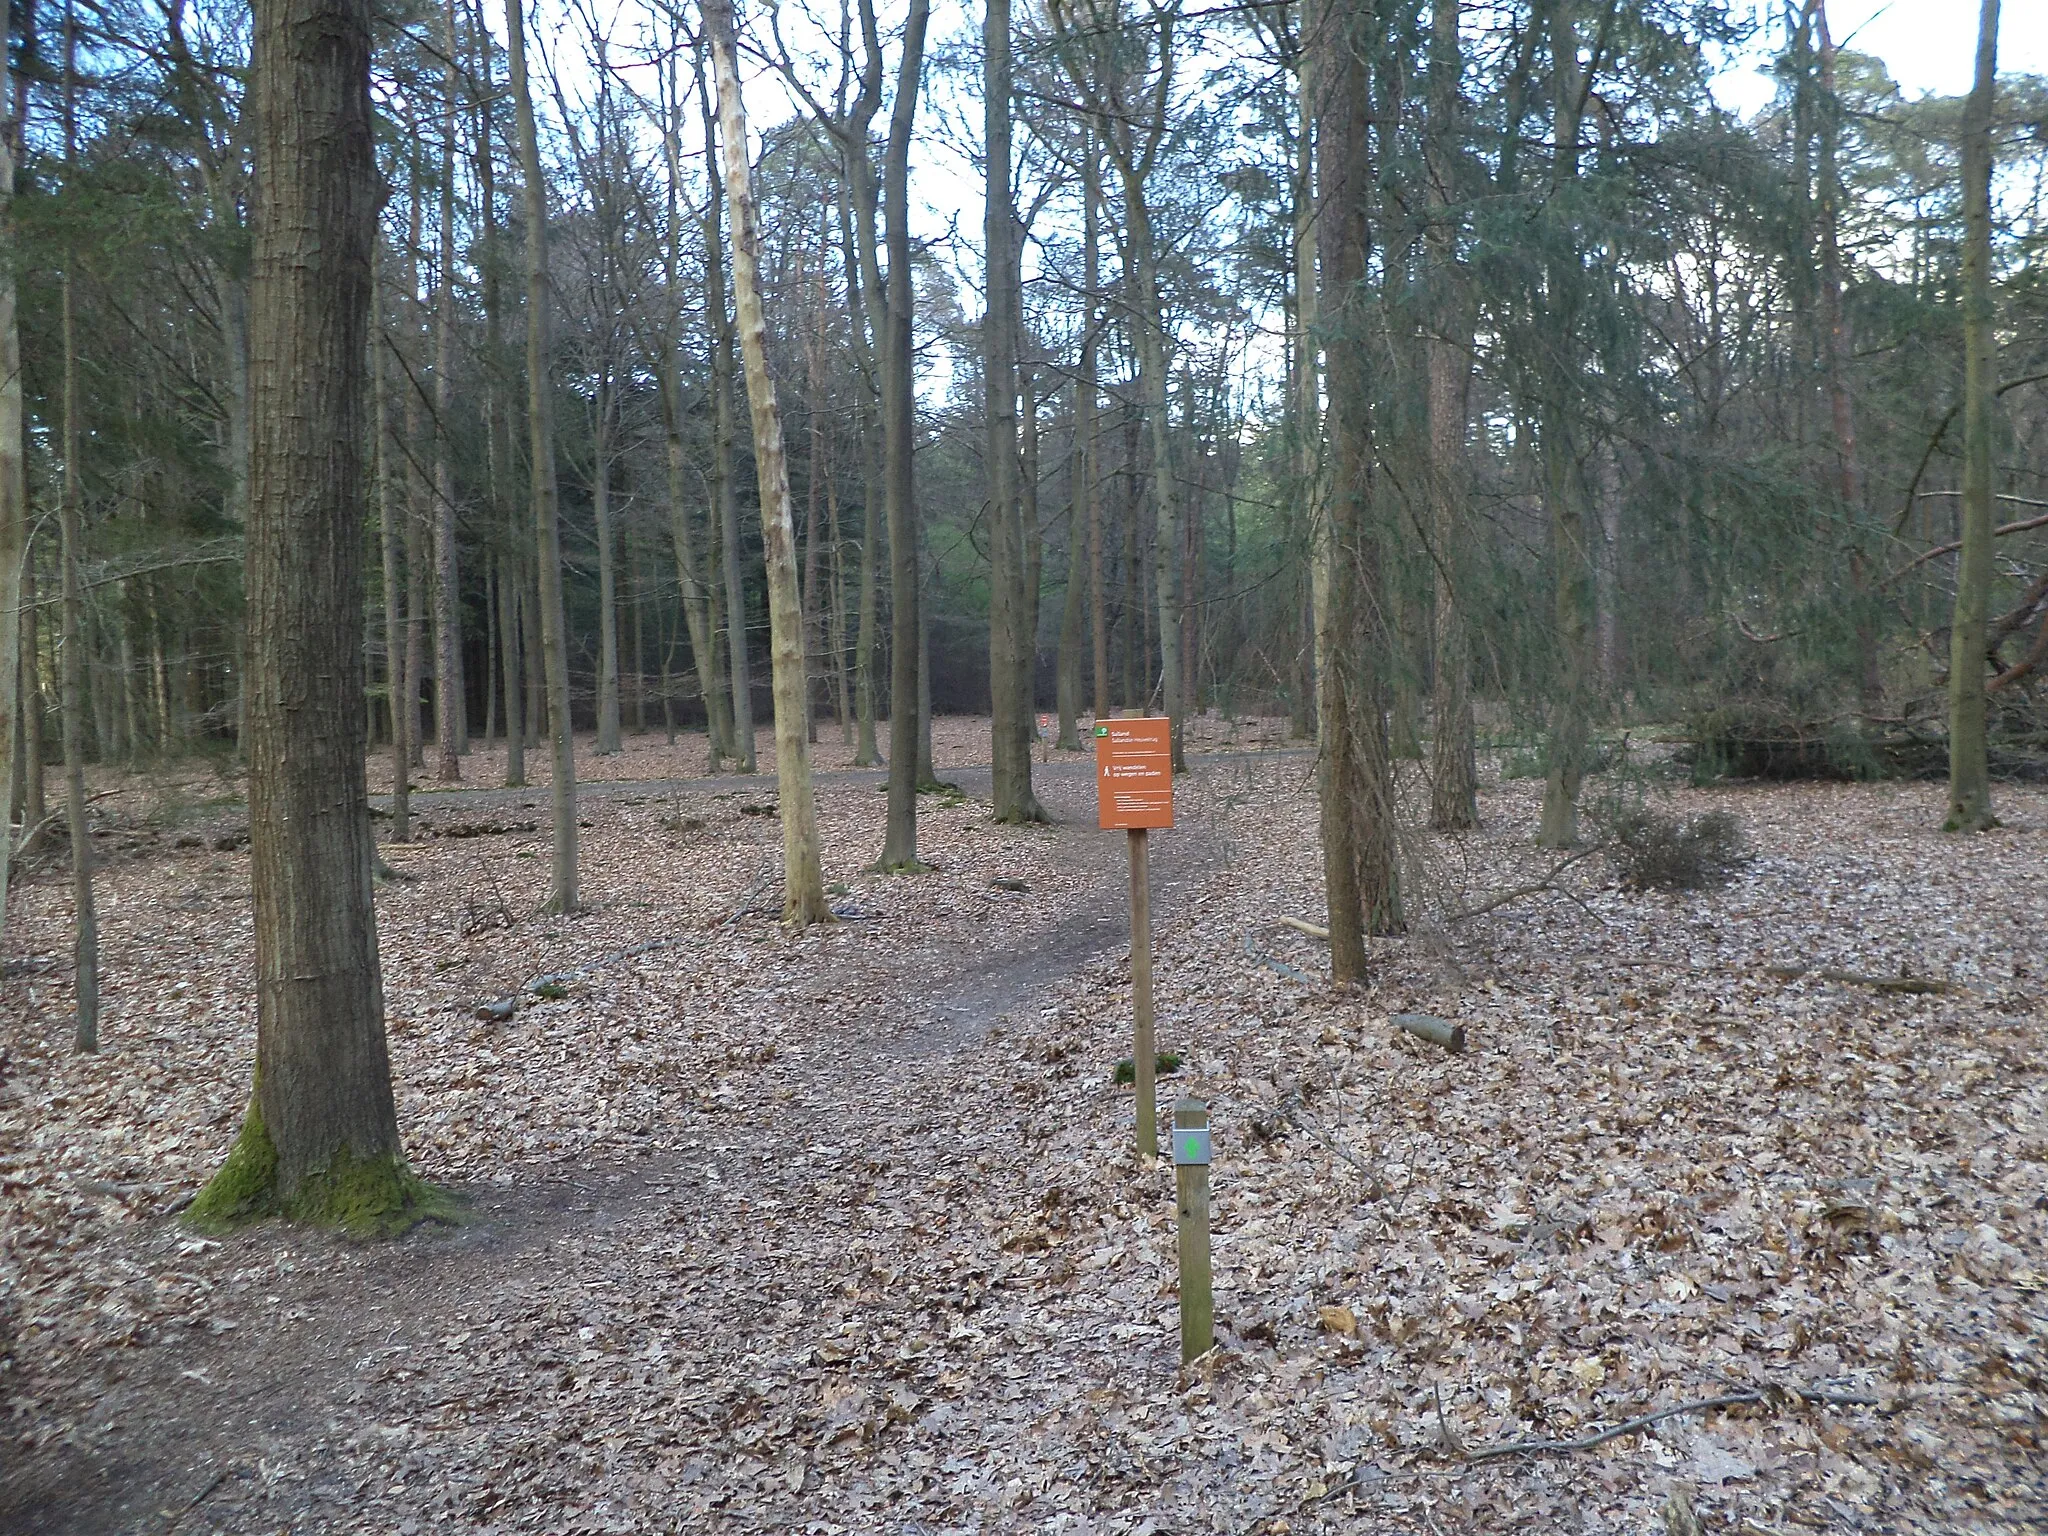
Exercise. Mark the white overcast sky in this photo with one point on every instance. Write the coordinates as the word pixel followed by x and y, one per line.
pixel 1929 46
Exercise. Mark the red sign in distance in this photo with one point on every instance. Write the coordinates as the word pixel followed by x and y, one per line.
pixel 1134 774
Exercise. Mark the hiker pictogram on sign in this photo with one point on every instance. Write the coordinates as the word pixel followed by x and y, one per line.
pixel 1134 774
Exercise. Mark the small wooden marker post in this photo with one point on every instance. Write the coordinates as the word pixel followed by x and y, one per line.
pixel 1191 1179
pixel 1134 791
pixel 1144 1051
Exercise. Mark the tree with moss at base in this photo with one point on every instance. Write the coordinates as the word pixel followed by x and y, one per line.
pixel 320 1142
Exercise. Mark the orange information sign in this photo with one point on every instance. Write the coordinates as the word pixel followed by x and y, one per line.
pixel 1134 773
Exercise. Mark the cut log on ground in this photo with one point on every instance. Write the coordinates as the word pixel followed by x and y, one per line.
pixel 1436 1031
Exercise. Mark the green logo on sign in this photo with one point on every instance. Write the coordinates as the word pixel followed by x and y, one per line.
pixel 1102 730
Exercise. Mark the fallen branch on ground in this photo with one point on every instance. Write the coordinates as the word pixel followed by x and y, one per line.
pixel 1774 1396
pixel 1303 927
pixel 1547 883
pixel 1778 1396
pixel 1292 973
pixel 1913 985
pixel 1918 985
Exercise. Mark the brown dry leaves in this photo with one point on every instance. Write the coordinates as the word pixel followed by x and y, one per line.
pixel 774 1239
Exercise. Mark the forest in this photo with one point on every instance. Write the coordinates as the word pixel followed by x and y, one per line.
pixel 575 578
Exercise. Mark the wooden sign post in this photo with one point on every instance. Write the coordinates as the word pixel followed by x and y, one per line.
pixel 1134 792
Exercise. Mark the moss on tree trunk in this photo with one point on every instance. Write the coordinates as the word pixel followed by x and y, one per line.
pixel 377 1196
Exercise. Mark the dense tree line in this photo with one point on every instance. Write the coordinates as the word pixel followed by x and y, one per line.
pixel 1437 376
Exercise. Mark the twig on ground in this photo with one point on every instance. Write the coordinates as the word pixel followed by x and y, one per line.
pixel 1537 888
pixel 1452 1440
pixel 1292 973
pixel 1471 1455
pixel 198 1499
pixel 1773 1395
pixel 1913 985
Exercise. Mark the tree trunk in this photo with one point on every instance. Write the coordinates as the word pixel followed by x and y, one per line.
pixel 909 663
pixel 419 514
pixel 860 315
pixel 159 677
pixel 34 808
pixel 1308 441
pixel 1564 490
pixel 814 474
pixel 13 477
pixel 1454 775
pixel 1839 353
pixel 867 751
pixel 1068 668
pixel 1010 639
pixel 607 577
pixel 320 1142
pixel 1033 535
pixel 397 676
pixel 635 586
pixel 498 421
pixel 927 769
pixel 1149 320
pixel 510 581
pixel 696 594
pixel 535 666
pixel 803 891
pixel 490 652
pixel 1087 413
pixel 1360 866
pixel 835 623
pixel 131 709
pixel 449 702
pixel 540 427
pixel 724 504
pixel 71 552
pixel 1136 660
pixel 1969 776
pixel 691 575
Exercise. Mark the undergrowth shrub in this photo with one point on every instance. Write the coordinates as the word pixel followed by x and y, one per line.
pixel 1757 739
pixel 1667 853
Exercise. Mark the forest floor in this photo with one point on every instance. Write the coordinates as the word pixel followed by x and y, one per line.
pixel 845 1231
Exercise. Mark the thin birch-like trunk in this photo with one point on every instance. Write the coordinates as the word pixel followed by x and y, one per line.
pixel 540 426
pixel 803 895
pixel 724 502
